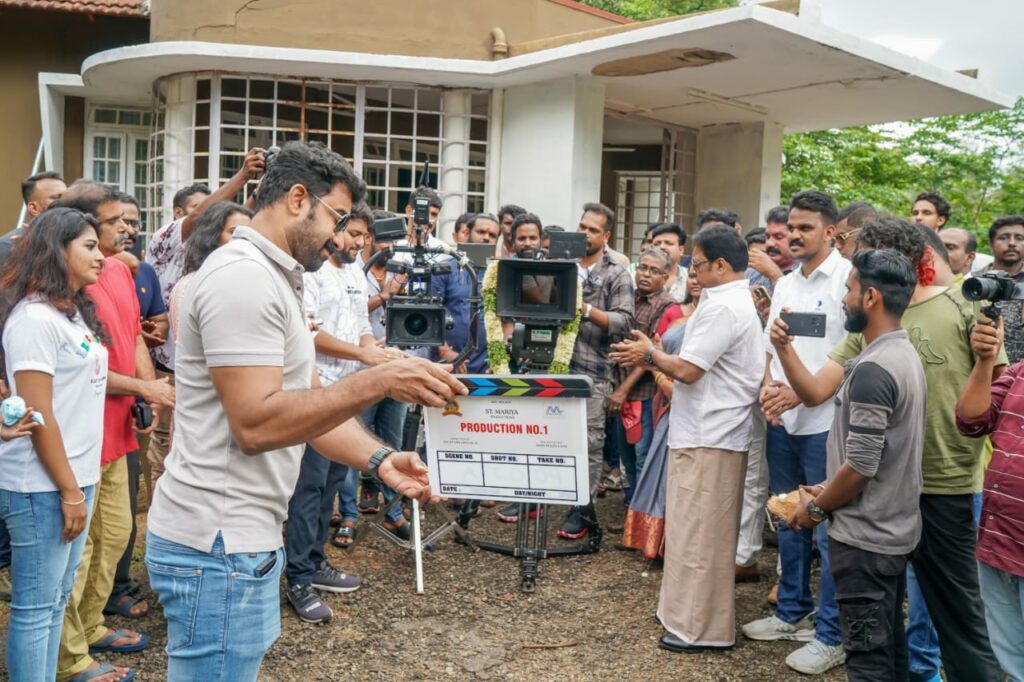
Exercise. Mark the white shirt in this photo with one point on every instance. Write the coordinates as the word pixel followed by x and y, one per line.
pixel 981 261
pixel 39 338
pixel 723 338
pixel 822 292
pixel 337 295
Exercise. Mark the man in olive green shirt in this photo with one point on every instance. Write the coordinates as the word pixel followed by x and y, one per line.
pixel 938 323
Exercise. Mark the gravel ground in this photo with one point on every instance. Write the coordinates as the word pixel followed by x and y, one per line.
pixel 590 618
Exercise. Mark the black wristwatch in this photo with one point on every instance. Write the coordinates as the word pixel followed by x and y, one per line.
pixel 649 357
pixel 376 459
pixel 817 513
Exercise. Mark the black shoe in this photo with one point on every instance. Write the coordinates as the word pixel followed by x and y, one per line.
pixel 307 604
pixel 672 643
pixel 510 514
pixel 369 502
pixel 574 527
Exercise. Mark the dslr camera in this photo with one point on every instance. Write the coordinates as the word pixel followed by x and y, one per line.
pixel 993 287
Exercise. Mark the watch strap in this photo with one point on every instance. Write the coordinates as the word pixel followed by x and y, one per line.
pixel 376 459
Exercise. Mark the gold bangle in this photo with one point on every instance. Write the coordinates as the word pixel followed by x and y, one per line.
pixel 73 504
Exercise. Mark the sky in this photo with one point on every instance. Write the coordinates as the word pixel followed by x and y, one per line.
pixel 955 34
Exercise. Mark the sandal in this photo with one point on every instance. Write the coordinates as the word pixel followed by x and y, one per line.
pixel 335 520
pixel 105 644
pixel 344 536
pixel 403 532
pixel 123 605
pixel 100 670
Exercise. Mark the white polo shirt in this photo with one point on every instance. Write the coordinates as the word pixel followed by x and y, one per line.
pixel 723 338
pixel 822 292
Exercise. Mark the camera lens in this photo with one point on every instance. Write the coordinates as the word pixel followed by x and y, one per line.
pixel 981 289
pixel 416 324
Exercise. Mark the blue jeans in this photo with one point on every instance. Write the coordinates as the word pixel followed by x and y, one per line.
pixel 386 419
pixel 794 461
pixel 922 639
pixel 5 547
pixel 1003 596
pixel 223 611
pixel 309 515
pixel 43 569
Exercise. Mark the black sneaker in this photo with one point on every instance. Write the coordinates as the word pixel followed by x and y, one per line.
pixel 573 528
pixel 369 501
pixel 307 604
pixel 330 579
pixel 510 514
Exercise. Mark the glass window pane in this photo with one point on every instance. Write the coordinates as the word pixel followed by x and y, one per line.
pixel 232 111
pixel 261 89
pixel 343 120
pixel 141 149
pixel 402 98
pixel 316 118
pixel 106 116
pixel 478 129
pixel 428 125
pixel 147 120
pixel 114 148
pixel 376 97
pixel 99 171
pixel 202 140
pixel 131 118
pixel 344 145
pixel 287 136
pixel 114 172
pixel 375 149
pixel 318 92
pixel 428 100
pixel 200 164
pixel 203 114
pixel 288 116
pixel 401 123
pixel 260 138
pixel 376 122
pixel 232 87
pixel 232 139
pixel 289 91
pixel 261 114
pixel 317 137
pixel 99 147
pixel 344 96
pixel 477 155
pixel 203 88
pixel 229 164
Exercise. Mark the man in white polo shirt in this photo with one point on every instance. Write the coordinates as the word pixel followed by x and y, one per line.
pixel 717 375
pixel 796 440
pixel 249 400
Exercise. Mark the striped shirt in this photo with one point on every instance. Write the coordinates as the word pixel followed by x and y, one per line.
pixel 1001 532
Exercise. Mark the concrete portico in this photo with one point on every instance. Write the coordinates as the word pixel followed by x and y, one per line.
pixel 727 83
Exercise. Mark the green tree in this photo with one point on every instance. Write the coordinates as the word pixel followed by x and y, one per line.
pixel 975 160
pixel 643 10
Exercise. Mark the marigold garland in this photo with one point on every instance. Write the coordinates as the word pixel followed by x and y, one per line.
pixel 497 352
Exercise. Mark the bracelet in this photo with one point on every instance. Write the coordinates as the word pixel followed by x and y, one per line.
pixel 660 378
pixel 73 504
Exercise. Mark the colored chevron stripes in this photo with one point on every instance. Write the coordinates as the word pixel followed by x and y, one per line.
pixel 527 386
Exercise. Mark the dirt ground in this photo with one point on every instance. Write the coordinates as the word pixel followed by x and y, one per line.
pixel 589 619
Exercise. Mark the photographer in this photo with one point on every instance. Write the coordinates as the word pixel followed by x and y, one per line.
pixel 994 408
pixel 250 399
pixel 607 316
pixel 1006 237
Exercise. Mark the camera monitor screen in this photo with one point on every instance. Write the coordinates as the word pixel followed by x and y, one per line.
pixel 537 289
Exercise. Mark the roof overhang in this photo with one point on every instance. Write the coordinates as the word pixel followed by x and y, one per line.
pixel 786 69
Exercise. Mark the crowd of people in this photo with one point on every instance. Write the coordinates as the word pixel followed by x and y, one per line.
pixel 242 357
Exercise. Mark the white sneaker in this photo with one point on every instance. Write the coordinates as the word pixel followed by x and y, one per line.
pixel 772 629
pixel 815 657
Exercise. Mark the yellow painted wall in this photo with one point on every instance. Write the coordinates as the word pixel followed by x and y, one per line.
pixel 435 28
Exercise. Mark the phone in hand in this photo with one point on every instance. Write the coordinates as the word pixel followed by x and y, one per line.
pixel 761 295
pixel 142 415
pixel 805 324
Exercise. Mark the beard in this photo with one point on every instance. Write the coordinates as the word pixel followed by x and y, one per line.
pixel 306 246
pixel 343 257
pixel 856 320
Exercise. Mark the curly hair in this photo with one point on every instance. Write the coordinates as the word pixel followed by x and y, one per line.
pixel 902 236
pixel 38 265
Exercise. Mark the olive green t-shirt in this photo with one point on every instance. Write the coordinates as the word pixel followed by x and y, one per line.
pixel 940 329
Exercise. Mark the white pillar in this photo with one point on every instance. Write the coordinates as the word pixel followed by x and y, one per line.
pixel 551 140
pixel 179 116
pixel 452 183
pixel 739 167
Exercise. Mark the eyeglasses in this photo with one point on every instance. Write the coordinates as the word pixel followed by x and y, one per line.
pixel 657 272
pixel 133 223
pixel 694 264
pixel 342 219
pixel 843 236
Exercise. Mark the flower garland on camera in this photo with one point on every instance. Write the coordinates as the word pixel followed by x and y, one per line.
pixel 497 352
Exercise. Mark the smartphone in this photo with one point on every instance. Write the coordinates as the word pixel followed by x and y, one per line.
pixel 142 414
pixel 761 294
pixel 805 324
pixel 264 568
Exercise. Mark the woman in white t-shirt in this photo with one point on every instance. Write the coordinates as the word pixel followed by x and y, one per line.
pixel 53 359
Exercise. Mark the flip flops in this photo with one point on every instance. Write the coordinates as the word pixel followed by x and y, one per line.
pixel 122 606
pixel 105 644
pixel 343 537
pixel 99 671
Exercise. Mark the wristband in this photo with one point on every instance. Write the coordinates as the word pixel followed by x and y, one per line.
pixel 73 504
pixel 649 356
pixel 376 459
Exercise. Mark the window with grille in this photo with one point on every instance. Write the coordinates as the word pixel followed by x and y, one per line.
pixel 385 131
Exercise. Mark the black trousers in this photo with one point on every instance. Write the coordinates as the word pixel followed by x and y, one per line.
pixel 870 588
pixel 948 574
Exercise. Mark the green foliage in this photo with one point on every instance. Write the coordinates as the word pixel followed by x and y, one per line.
pixel 976 161
pixel 643 10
